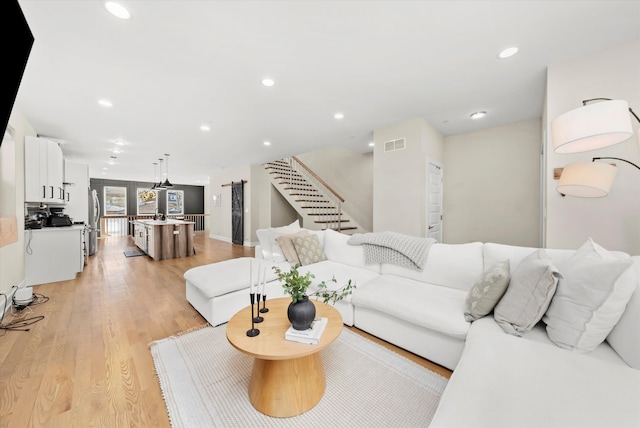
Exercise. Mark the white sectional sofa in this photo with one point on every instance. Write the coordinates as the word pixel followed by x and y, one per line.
pixel 499 379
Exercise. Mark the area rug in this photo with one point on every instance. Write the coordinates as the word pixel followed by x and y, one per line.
pixel 134 253
pixel 205 383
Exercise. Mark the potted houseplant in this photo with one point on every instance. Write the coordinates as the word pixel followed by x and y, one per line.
pixel 301 311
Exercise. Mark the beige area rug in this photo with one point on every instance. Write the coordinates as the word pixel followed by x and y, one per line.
pixel 205 383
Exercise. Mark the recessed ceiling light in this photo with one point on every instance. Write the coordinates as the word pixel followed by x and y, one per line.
pixel 116 151
pixel 105 168
pixel 205 128
pixel 117 10
pixel 267 143
pixel 338 115
pixel 508 52
pixel 105 103
pixel 120 142
pixel 268 82
pixel 478 115
pixel 371 144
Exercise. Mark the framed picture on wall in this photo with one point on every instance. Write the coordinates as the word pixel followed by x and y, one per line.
pixel 147 201
pixel 115 201
pixel 175 202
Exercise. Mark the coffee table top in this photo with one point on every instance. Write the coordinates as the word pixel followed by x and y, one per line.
pixel 270 344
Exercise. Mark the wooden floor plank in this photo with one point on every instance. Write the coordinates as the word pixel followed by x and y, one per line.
pixel 87 363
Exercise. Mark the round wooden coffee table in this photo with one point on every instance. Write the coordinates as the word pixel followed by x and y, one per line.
pixel 287 377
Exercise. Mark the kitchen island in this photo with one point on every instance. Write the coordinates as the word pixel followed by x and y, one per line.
pixel 164 239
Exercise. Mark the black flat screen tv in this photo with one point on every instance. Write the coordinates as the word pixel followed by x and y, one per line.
pixel 17 41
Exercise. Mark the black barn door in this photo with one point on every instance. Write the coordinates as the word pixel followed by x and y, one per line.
pixel 237 209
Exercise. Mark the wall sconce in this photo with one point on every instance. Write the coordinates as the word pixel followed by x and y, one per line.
pixel 591 127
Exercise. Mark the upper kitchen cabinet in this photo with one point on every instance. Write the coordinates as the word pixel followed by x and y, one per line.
pixel 44 171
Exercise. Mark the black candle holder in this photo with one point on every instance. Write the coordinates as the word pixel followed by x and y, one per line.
pixel 264 309
pixel 257 319
pixel 253 331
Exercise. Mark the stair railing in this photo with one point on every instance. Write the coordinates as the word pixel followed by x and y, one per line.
pixel 327 202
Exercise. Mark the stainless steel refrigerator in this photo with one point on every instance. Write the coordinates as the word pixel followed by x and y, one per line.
pixel 93 225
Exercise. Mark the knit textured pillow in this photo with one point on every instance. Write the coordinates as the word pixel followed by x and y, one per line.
pixel 286 244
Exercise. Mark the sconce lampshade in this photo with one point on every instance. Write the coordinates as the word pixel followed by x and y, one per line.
pixel 592 127
pixel 587 180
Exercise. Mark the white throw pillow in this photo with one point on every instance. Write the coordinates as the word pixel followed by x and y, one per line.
pixel 487 291
pixel 265 243
pixel 530 291
pixel 591 297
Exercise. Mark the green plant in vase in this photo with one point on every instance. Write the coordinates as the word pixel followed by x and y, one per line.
pixel 301 310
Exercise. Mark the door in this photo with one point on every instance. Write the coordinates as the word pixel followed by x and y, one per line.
pixel 237 209
pixel 434 200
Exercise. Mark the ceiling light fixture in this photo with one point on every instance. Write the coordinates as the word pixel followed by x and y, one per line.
pixel 508 52
pixel 155 176
pixel 112 160
pixel 591 127
pixel 119 142
pixel 338 115
pixel 205 128
pixel 372 144
pixel 268 82
pixel 105 103
pixel 478 115
pixel 117 10
pixel 167 184
pixel 267 143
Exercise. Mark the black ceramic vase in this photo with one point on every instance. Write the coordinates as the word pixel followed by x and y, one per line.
pixel 301 314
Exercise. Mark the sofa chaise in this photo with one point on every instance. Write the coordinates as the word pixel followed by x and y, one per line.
pixel 549 355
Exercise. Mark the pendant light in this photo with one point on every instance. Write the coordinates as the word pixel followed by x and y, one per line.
pixel 159 185
pixel 155 176
pixel 166 184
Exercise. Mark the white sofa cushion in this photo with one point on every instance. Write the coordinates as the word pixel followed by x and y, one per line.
pixel 487 291
pixel 529 294
pixel 624 337
pixel 494 253
pixel 337 249
pixel 448 265
pixel 505 381
pixel 426 305
pixel 591 297
pixel 325 270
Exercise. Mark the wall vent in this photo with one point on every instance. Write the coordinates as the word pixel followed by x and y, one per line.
pixel 392 145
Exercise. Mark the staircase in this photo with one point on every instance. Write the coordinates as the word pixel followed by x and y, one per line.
pixel 319 206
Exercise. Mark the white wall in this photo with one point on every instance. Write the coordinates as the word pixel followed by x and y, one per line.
pixel 12 255
pixel 399 177
pixel 612 221
pixel 492 185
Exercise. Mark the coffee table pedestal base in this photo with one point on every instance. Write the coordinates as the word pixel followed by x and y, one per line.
pixel 285 388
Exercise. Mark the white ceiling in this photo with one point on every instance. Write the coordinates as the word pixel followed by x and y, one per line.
pixel 176 65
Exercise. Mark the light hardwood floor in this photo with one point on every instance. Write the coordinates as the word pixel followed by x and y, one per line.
pixel 87 363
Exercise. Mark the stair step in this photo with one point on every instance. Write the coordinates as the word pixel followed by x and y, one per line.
pixel 325 214
pixel 343 228
pixel 330 221
pixel 311 207
pixel 300 194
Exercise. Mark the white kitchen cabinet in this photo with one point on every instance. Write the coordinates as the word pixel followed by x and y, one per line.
pixel 76 179
pixel 53 254
pixel 44 171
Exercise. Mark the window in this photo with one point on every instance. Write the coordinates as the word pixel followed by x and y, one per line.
pixel 115 201
pixel 147 201
pixel 175 202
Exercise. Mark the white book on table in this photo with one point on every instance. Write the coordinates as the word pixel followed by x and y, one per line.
pixel 311 335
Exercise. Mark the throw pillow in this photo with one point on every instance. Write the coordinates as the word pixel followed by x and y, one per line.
pixel 591 297
pixel 286 244
pixel 308 249
pixel 486 292
pixel 274 233
pixel 529 294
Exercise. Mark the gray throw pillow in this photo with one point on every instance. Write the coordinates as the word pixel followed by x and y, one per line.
pixel 529 294
pixel 308 249
pixel 487 291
